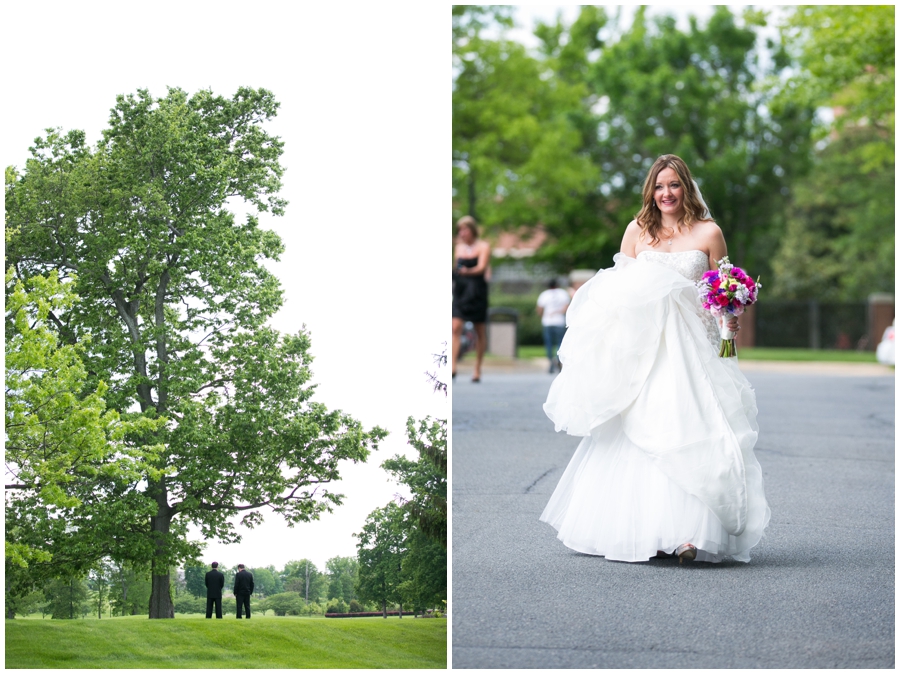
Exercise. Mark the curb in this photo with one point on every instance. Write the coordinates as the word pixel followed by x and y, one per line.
pixel 526 365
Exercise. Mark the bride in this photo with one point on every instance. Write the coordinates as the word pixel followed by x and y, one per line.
pixel 666 465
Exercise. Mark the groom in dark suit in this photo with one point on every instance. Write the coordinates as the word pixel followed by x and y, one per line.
pixel 215 581
pixel 243 588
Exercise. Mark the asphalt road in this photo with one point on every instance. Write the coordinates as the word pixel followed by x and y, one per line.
pixel 818 593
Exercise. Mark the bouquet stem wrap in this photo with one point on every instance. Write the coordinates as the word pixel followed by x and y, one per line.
pixel 726 346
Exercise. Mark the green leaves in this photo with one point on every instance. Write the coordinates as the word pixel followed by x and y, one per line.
pixel 63 444
pixel 172 322
pixel 563 139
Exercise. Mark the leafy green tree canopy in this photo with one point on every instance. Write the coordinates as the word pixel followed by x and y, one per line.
pixel 176 298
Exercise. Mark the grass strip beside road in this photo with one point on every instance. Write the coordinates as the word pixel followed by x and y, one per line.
pixel 197 643
pixel 762 353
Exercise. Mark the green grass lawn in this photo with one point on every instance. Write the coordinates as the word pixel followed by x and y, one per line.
pixel 196 643
pixel 762 353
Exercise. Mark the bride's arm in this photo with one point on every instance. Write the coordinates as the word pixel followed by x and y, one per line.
pixel 718 250
pixel 630 239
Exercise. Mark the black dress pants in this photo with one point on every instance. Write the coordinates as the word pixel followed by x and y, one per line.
pixel 217 601
pixel 243 600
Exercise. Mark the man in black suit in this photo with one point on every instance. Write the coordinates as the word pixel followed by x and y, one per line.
pixel 215 582
pixel 243 588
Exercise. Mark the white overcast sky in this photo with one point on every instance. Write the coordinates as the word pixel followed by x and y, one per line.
pixel 365 116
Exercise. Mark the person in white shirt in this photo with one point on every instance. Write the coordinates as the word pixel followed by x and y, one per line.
pixel 551 307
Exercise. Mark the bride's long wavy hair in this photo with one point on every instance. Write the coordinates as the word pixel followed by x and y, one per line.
pixel 649 218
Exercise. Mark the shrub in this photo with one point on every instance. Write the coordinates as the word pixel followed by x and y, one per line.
pixel 312 609
pixel 285 603
pixel 355 607
pixel 339 607
pixel 188 603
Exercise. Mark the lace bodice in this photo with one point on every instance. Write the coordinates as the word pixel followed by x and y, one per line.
pixel 691 264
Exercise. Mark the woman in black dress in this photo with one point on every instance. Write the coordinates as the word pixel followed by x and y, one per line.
pixel 472 258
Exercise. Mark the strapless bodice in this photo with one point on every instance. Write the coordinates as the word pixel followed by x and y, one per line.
pixel 691 264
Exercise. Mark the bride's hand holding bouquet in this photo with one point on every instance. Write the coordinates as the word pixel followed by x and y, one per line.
pixel 725 292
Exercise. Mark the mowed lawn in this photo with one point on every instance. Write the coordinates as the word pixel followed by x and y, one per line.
pixel 194 642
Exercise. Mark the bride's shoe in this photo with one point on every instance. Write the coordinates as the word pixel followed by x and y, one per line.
pixel 686 552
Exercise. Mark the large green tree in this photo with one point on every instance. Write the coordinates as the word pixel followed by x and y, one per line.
pixel 176 298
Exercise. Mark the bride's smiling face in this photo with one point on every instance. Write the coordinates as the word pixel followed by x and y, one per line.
pixel 668 193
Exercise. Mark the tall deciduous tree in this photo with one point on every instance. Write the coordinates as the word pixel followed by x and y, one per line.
pixel 175 299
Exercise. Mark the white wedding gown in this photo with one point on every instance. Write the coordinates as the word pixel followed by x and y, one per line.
pixel 669 427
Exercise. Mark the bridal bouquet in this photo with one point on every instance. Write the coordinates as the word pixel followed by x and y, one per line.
pixel 725 292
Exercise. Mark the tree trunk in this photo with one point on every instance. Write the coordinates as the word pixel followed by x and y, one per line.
pixel 161 605
pixel 10 613
pixel 471 186
pixel 384 608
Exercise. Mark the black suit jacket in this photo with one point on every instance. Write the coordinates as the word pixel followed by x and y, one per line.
pixel 215 581
pixel 243 582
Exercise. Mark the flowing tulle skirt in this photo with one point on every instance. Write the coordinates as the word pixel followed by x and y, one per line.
pixel 669 427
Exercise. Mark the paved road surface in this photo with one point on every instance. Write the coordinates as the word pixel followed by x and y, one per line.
pixel 819 591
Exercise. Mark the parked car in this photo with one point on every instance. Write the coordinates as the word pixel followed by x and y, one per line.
pixel 885 350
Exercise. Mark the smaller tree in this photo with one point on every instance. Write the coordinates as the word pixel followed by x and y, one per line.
pixel 195 580
pixel 264 582
pixel 305 579
pixel 99 579
pixel 381 547
pixel 68 597
pixel 129 592
pixel 342 572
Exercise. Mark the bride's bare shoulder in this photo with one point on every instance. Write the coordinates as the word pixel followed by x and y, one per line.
pixel 707 230
pixel 706 226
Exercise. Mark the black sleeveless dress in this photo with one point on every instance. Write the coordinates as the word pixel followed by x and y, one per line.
pixel 470 293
